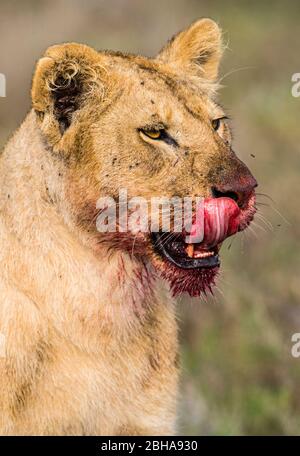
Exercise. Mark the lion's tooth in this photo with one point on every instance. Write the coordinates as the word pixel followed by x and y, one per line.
pixel 190 250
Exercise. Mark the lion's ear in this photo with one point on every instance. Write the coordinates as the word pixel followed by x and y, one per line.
pixel 62 80
pixel 196 50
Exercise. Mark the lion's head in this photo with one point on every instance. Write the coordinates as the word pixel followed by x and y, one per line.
pixel 152 126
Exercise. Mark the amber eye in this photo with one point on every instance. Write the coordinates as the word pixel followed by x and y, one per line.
pixel 153 134
pixel 216 124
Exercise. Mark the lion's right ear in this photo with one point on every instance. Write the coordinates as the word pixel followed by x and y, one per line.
pixel 63 78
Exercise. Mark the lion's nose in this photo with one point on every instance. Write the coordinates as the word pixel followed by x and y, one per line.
pixel 238 188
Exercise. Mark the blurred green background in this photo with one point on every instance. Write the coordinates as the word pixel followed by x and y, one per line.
pixel 238 373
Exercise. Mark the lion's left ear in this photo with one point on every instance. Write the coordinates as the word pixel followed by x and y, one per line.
pixel 196 50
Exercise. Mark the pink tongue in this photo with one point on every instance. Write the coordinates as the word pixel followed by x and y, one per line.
pixel 221 220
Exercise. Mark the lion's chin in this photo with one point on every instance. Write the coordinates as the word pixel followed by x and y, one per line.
pixel 195 282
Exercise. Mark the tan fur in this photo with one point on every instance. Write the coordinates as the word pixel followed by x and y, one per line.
pixel 91 336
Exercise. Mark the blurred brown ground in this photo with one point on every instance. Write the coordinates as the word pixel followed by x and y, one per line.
pixel 239 375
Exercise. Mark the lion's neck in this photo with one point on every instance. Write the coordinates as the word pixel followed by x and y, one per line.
pixel 46 261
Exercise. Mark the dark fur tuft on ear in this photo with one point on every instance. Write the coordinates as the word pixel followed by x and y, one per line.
pixel 63 79
pixel 66 99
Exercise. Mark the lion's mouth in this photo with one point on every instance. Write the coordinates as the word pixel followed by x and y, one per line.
pixel 189 265
pixel 215 220
pixel 184 255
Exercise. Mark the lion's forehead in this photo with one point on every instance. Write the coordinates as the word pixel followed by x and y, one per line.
pixel 146 80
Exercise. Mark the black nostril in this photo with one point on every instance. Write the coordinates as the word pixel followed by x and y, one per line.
pixel 229 194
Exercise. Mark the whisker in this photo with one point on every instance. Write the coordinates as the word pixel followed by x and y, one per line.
pixel 163 241
pixel 236 70
pixel 267 223
pixel 266 196
pixel 280 215
pixel 262 204
pixel 133 245
pixel 252 231
pixel 258 226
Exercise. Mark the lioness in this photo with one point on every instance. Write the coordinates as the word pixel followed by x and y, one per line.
pixel 87 318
